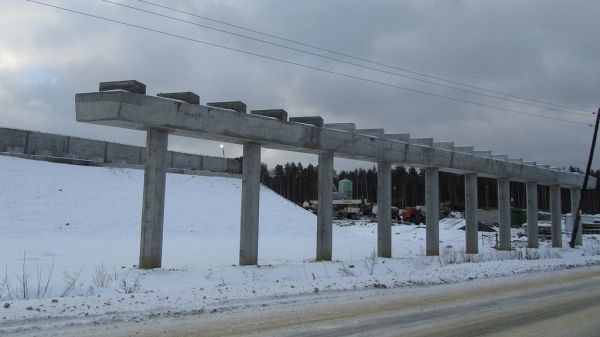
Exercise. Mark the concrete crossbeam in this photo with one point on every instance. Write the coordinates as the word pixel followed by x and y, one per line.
pixel 384 210
pixel 324 207
pixel 532 216
pixel 555 216
pixel 504 213
pixel 349 127
pixel 123 109
pixel 471 225
pixel 516 160
pixel 575 197
pixel 250 204
pixel 502 157
pixel 155 176
pixel 432 204
pixel 279 114
pixel 371 132
pixel 311 120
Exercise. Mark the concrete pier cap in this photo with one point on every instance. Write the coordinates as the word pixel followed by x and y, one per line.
pixel 280 114
pixel 231 105
pixel 350 127
pixel 311 120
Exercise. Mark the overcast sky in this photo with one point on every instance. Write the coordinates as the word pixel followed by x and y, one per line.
pixel 545 50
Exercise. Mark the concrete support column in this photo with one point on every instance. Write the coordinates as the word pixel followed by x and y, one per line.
pixel 153 207
pixel 555 216
pixel 384 210
pixel 532 217
pixel 324 208
pixel 575 197
pixel 432 204
pixel 471 226
pixel 250 204
pixel 504 213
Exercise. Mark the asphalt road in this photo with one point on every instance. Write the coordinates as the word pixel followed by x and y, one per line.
pixel 565 303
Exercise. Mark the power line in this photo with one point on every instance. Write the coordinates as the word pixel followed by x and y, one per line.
pixel 364 59
pixel 300 64
pixel 344 61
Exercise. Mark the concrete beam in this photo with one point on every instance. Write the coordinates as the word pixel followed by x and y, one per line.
pixel 188 96
pixel 432 218
pixel 532 217
pixel 279 114
pixel 324 207
pixel 233 105
pixel 504 213
pixel 530 163
pixel 311 120
pixel 544 166
pixel 384 210
pixel 501 157
pixel 555 216
pixel 153 206
pixel 349 127
pixel 471 225
pixel 575 197
pixel 371 132
pixel 250 204
pixel 132 86
pixel 516 160
pixel 139 112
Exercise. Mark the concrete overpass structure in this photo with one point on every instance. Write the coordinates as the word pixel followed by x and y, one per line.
pixel 124 104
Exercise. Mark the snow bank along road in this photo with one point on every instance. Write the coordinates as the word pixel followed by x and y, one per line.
pixel 73 232
pixel 563 303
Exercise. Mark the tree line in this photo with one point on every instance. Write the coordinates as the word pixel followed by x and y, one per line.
pixel 299 183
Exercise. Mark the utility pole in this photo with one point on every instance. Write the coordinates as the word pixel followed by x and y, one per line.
pixel 585 181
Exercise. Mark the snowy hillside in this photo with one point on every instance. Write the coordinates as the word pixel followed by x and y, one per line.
pixel 77 228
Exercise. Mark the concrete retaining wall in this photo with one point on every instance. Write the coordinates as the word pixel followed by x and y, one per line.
pixel 45 144
pixel 13 141
pixel 86 149
pixel 59 146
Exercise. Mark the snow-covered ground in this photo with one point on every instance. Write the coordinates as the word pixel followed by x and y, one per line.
pixel 72 234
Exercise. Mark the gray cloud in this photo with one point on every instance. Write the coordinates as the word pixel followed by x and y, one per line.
pixel 542 49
